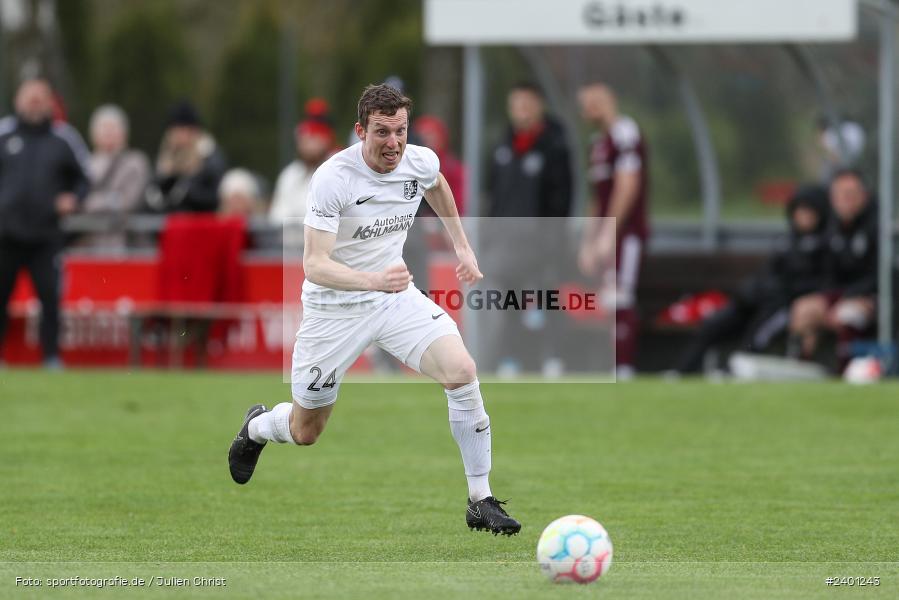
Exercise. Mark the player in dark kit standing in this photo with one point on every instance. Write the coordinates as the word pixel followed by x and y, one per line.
pixel 618 168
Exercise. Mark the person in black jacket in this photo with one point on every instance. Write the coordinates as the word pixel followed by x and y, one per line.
pixel 43 176
pixel 530 185
pixel 846 303
pixel 189 167
pixel 530 175
pixel 760 309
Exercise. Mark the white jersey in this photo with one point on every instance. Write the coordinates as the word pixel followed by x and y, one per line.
pixel 370 212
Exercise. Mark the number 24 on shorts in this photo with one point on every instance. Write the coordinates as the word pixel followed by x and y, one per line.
pixel 330 382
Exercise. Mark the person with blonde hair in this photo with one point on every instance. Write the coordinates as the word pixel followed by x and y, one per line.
pixel 119 174
pixel 239 194
pixel 189 167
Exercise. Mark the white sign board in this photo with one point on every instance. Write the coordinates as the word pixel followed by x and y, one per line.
pixel 461 22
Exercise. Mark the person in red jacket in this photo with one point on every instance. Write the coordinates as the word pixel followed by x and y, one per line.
pixel 430 131
pixel 619 172
pixel 433 133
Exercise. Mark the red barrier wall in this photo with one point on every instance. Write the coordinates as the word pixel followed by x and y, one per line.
pixel 101 297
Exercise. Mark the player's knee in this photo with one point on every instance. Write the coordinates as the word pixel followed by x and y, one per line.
pixel 461 372
pixel 805 313
pixel 797 319
pixel 850 315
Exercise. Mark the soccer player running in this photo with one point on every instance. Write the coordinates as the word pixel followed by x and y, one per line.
pixel 358 291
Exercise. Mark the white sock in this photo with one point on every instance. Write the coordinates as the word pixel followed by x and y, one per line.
pixel 272 426
pixel 471 430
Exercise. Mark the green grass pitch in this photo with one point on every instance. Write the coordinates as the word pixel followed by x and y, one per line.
pixel 707 490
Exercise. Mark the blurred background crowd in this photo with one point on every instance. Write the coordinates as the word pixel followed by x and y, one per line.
pixel 123 114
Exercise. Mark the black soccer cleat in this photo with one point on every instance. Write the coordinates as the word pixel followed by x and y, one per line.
pixel 244 452
pixel 488 515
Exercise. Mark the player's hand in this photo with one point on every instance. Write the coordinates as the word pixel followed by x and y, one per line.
pixel 395 278
pixel 598 255
pixel 66 204
pixel 586 260
pixel 467 271
pixel 605 250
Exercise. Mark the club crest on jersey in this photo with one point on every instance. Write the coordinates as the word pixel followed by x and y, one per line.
pixel 410 189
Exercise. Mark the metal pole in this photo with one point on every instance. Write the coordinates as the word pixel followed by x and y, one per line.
pixel 2 66
pixel 473 123
pixel 706 158
pixel 472 127
pixel 287 94
pixel 811 69
pixel 885 168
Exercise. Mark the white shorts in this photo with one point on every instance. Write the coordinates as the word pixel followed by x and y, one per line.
pixel 404 325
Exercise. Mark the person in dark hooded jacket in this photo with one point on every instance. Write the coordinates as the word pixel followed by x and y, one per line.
pixel 760 309
pixel 846 302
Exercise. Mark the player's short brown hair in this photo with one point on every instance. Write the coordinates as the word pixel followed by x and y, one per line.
pixel 382 98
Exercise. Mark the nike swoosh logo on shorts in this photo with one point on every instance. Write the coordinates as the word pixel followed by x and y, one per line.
pixel 435 317
pixel 476 430
pixel 364 200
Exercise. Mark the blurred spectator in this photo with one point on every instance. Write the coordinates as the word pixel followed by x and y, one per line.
pixel 43 176
pixel 620 171
pixel 240 195
pixel 846 303
pixel 842 146
pixel 432 132
pixel 428 233
pixel 530 176
pixel 759 311
pixel 315 142
pixel 189 166
pixel 199 267
pixel 59 112
pixel 119 175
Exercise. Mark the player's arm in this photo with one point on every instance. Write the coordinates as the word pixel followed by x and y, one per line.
pixel 323 270
pixel 601 235
pixel 624 196
pixel 440 198
pixel 591 228
pixel 626 185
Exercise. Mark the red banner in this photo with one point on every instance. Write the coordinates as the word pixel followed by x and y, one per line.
pixel 112 316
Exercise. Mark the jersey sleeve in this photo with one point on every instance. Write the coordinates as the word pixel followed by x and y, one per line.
pixel 626 137
pixel 327 197
pixel 428 167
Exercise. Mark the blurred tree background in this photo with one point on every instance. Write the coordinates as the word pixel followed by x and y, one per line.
pixel 244 107
pixel 144 66
pixel 250 65
pixel 228 58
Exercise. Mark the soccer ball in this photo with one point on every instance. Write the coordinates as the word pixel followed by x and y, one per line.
pixel 862 370
pixel 574 548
